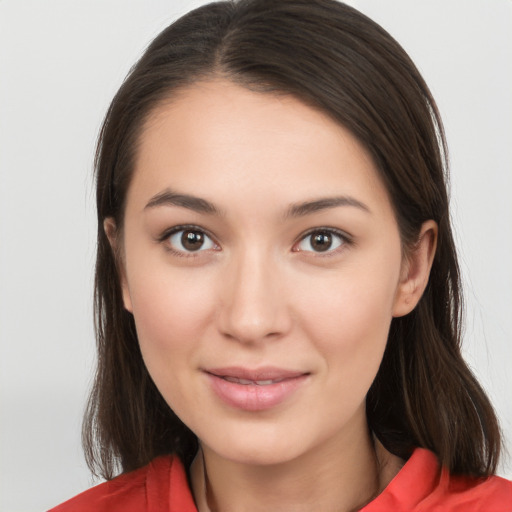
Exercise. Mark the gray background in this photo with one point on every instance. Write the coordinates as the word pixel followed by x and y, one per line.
pixel 60 64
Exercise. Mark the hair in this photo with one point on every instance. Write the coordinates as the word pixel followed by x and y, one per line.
pixel 335 59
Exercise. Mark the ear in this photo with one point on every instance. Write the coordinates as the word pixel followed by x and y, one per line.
pixel 416 270
pixel 110 228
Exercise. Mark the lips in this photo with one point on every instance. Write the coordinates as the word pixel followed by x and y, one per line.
pixel 255 390
pixel 247 382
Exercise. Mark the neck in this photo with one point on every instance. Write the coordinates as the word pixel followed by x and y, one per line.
pixel 320 480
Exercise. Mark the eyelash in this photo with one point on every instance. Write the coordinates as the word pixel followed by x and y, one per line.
pixel 345 240
pixel 164 239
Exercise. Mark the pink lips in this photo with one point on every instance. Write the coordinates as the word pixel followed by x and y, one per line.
pixel 254 390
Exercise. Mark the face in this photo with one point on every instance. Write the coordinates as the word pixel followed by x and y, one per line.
pixel 262 264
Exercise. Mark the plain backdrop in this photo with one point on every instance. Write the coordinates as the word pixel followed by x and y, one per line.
pixel 60 64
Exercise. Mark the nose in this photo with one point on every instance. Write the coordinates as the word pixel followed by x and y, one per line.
pixel 253 303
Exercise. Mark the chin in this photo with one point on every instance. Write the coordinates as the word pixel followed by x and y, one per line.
pixel 262 448
pixel 259 456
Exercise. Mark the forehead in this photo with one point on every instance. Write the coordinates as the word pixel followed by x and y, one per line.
pixel 225 106
pixel 216 136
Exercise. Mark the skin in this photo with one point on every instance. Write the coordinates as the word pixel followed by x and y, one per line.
pixel 257 293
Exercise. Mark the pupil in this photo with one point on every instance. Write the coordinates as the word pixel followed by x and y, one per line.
pixel 192 240
pixel 321 242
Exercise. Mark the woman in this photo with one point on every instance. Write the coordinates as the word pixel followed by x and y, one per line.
pixel 277 289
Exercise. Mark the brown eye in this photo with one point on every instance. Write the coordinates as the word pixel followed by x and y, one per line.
pixel 190 240
pixel 321 241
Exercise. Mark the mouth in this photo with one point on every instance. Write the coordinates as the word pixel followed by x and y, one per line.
pixel 247 382
pixel 255 390
pixel 264 376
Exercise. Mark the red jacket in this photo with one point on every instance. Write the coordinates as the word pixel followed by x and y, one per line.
pixel 420 486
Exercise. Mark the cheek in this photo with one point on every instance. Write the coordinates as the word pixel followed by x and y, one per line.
pixel 172 312
pixel 171 318
pixel 354 327
pixel 350 318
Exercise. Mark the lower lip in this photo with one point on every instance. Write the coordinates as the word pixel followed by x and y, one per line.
pixel 252 397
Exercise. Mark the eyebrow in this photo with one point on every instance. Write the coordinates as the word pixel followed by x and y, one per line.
pixel 199 205
pixel 170 198
pixel 309 207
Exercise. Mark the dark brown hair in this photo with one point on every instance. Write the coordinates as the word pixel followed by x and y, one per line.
pixel 336 59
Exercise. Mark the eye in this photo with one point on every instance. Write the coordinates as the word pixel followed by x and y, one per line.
pixel 321 240
pixel 190 240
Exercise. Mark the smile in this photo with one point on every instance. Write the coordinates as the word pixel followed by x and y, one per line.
pixel 255 390
pixel 247 382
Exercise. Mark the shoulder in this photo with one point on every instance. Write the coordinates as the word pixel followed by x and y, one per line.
pixel 422 486
pixel 161 486
pixel 463 494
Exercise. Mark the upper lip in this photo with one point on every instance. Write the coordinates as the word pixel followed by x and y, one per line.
pixel 266 373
